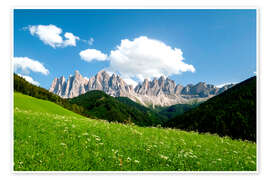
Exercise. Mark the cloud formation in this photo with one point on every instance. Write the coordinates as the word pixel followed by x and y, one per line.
pixel 29 79
pixel 130 81
pixel 93 54
pixel 26 64
pixel 146 58
pixel 51 35
pixel 90 41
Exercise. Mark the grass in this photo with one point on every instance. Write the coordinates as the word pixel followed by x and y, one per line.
pixel 48 137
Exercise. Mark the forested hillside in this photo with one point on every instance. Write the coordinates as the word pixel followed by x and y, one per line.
pixel 175 110
pixel 100 105
pixel 232 113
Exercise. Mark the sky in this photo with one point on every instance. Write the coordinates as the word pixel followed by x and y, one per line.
pixel 188 46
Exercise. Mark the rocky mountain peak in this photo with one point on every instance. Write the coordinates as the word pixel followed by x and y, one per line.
pixel 161 80
pixel 77 74
pixel 159 91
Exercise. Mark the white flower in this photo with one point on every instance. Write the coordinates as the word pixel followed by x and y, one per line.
pixel 128 159
pixel 164 157
pixel 62 144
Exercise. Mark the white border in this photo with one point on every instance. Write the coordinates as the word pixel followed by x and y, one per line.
pixel 141 172
pixel 264 85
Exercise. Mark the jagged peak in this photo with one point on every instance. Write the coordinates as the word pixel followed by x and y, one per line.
pixel 101 71
pixel 145 80
pixel 154 79
pixel 112 84
pixel 162 77
pixel 201 83
pixel 62 78
pixel 179 85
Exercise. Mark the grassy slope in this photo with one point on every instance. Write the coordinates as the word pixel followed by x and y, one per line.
pixel 49 137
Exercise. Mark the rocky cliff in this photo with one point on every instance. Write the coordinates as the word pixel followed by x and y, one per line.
pixel 161 92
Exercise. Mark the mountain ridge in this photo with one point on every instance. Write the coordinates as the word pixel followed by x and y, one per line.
pixel 157 92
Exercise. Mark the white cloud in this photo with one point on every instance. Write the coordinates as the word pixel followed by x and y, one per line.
pixel 70 39
pixel 147 58
pixel 51 35
pixel 26 64
pixel 130 81
pixel 224 84
pixel 93 54
pixel 29 79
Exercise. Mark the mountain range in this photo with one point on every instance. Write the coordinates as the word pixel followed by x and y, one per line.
pixel 157 92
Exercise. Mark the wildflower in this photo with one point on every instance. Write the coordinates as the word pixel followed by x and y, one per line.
pixel 62 144
pixel 164 157
pixel 128 159
pixel 136 161
pixel 181 151
pixel 219 159
pixel 85 134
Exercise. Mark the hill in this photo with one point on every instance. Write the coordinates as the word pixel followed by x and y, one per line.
pixel 48 137
pixel 232 113
pixel 21 85
pixel 102 106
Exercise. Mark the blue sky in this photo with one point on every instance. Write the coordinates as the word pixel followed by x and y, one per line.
pixel 219 44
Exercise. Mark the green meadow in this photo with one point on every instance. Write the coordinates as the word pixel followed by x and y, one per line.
pixel 48 137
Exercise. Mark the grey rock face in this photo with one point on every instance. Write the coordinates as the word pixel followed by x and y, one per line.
pixel 161 92
pixel 77 85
